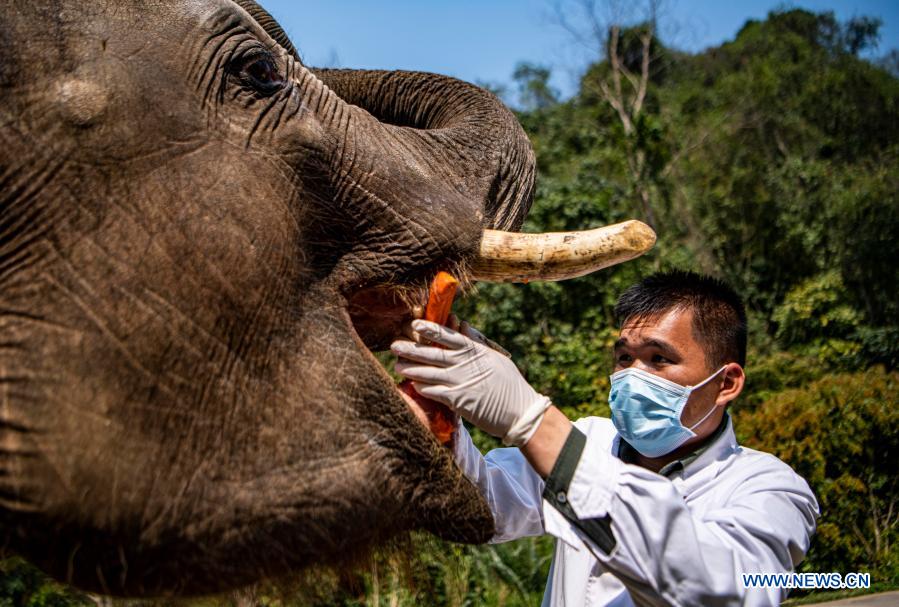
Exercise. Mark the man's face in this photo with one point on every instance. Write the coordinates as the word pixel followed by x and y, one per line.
pixel 666 346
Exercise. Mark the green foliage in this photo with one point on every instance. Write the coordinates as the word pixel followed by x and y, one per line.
pixel 426 571
pixel 21 585
pixel 816 318
pixel 866 236
pixel 841 433
pixel 788 160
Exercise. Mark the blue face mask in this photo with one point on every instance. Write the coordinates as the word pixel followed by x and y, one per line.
pixel 646 410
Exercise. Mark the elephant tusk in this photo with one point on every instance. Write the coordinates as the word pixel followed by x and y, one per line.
pixel 517 257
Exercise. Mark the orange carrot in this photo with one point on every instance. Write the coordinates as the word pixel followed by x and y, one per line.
pixel 440 301
pixel 440 297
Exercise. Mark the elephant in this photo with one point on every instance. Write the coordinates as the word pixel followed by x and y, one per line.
pixel 202 240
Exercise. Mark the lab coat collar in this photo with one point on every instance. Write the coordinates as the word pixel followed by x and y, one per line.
pixel 715 453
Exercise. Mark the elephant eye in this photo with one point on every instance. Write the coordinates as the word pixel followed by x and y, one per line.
pixel 260 72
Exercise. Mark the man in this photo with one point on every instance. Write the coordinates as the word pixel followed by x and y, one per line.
pixel 658 505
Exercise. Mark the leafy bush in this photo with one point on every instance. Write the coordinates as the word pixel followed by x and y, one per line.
pixel 841 433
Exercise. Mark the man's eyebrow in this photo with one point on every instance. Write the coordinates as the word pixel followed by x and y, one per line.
pixel 664 346
pixel 660 344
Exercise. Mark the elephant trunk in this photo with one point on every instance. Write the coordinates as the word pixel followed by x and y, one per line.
pixel 465 132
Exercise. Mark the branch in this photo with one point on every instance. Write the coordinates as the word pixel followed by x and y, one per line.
pixel 630 78
pixel 889 517
pixel 613 60
pixel 696 143
pixel 888 525
pixel 618 103
pixel 618 106
pixel 646 39
pixel 599 35
pixel 861 538
pixel 573 31
pixel 875 516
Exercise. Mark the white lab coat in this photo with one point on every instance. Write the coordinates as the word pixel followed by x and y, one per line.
pixel 683 540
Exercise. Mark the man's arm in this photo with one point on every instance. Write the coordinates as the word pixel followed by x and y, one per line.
pixel 543 449
pixel 509 485
pixel 638 525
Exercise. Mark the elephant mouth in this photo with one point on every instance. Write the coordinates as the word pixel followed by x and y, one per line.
pixel 381 313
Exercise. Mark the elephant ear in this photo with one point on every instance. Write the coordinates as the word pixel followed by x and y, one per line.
pixel 270 25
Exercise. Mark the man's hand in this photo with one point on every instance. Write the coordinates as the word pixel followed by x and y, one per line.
pixel 467 330
pixel 482 385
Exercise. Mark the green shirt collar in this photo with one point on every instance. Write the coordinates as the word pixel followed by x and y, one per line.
pixel 628 454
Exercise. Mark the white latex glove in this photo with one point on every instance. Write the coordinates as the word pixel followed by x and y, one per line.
pixel 472 379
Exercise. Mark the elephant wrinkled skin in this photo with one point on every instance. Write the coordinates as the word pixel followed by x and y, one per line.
pixel 185 210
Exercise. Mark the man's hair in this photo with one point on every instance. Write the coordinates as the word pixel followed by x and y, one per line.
pixel 719 318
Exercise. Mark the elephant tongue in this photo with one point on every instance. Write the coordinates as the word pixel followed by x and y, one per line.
pixel 441 420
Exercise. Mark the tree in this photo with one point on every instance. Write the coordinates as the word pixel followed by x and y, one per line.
pixel 534 90
pixel 861 33
pixel 622 81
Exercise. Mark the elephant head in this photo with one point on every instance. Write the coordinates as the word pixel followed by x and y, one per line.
pixel 191 220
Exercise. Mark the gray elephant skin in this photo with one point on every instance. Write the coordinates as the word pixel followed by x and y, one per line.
pixel 191 220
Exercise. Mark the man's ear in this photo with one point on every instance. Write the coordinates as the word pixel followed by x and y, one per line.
pixel 732 382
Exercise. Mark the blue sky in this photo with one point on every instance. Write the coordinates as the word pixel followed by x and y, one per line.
pixel 483 40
